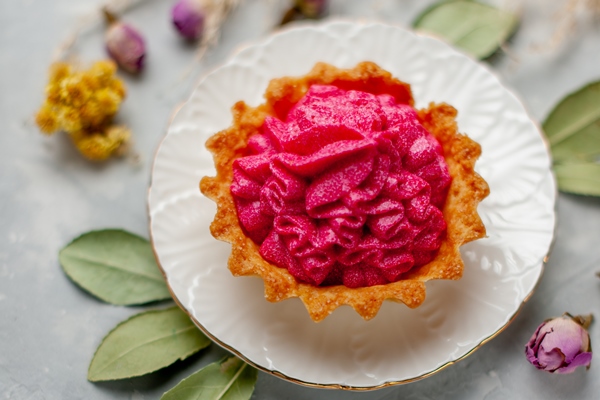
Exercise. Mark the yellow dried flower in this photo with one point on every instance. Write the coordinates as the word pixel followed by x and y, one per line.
pixel 120 138
pixel 104 70
pixel 91 82
pixel 73 91
pixel 106 67
pixel 59 71
pixel 47 120
pixel 70 119
pixel 53 94
pixel 118 87
pixel 82 103
pixel 92 113
pixel 108 101
pixel 94 147
pixel 100 145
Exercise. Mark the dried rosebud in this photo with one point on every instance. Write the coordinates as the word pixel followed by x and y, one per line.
pixel 126 46
pixel 312 8
pixel 188 17
pixel 560 345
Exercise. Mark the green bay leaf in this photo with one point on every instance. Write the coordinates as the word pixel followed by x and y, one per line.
pixel 573 130
pixel 145 343
pixel 228 379
pixel 477 28
pixel 579 178
pixel 116 266
pixel 573 126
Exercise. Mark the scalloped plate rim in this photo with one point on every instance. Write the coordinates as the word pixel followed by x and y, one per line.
pixel 152 201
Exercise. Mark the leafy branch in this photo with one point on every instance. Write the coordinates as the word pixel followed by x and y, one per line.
pixel 119 268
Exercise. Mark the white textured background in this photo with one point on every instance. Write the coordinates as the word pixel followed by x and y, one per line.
pixel 49 328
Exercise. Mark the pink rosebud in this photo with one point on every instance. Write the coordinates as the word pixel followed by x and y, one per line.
pixel 126 46
pixel 312 8
pixel 188 17
pixel 561 345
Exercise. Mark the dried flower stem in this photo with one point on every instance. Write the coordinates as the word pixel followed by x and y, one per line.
pixel 584 320
pixel 90 23
pixel 217 12
pixel 567 19
pixel 594 7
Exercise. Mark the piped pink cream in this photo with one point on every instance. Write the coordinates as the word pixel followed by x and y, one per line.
pixel 348 190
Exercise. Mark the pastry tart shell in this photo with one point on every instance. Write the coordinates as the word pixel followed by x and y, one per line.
pixel 466 191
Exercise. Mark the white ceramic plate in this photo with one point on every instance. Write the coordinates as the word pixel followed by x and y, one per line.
pixel 399 345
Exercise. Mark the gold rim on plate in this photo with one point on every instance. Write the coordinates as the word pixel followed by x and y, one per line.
pixel 342 386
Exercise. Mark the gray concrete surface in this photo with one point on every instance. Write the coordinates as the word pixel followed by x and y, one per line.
pixel 49 328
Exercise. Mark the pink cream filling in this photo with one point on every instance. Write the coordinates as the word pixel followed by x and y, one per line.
pixel 347 191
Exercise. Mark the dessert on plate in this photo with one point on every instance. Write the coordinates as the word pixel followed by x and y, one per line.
pixel 337 191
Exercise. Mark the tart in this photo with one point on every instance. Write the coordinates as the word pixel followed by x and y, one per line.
pixel 337 191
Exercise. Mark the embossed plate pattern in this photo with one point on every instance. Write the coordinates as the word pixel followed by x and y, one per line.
pixel 399 345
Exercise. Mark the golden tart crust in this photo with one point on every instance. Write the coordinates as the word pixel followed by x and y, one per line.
pixel 460 210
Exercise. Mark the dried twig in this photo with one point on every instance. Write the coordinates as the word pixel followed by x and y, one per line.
pixel 217 12
pixel 569 16
pixel 89 23
pixel 594 7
